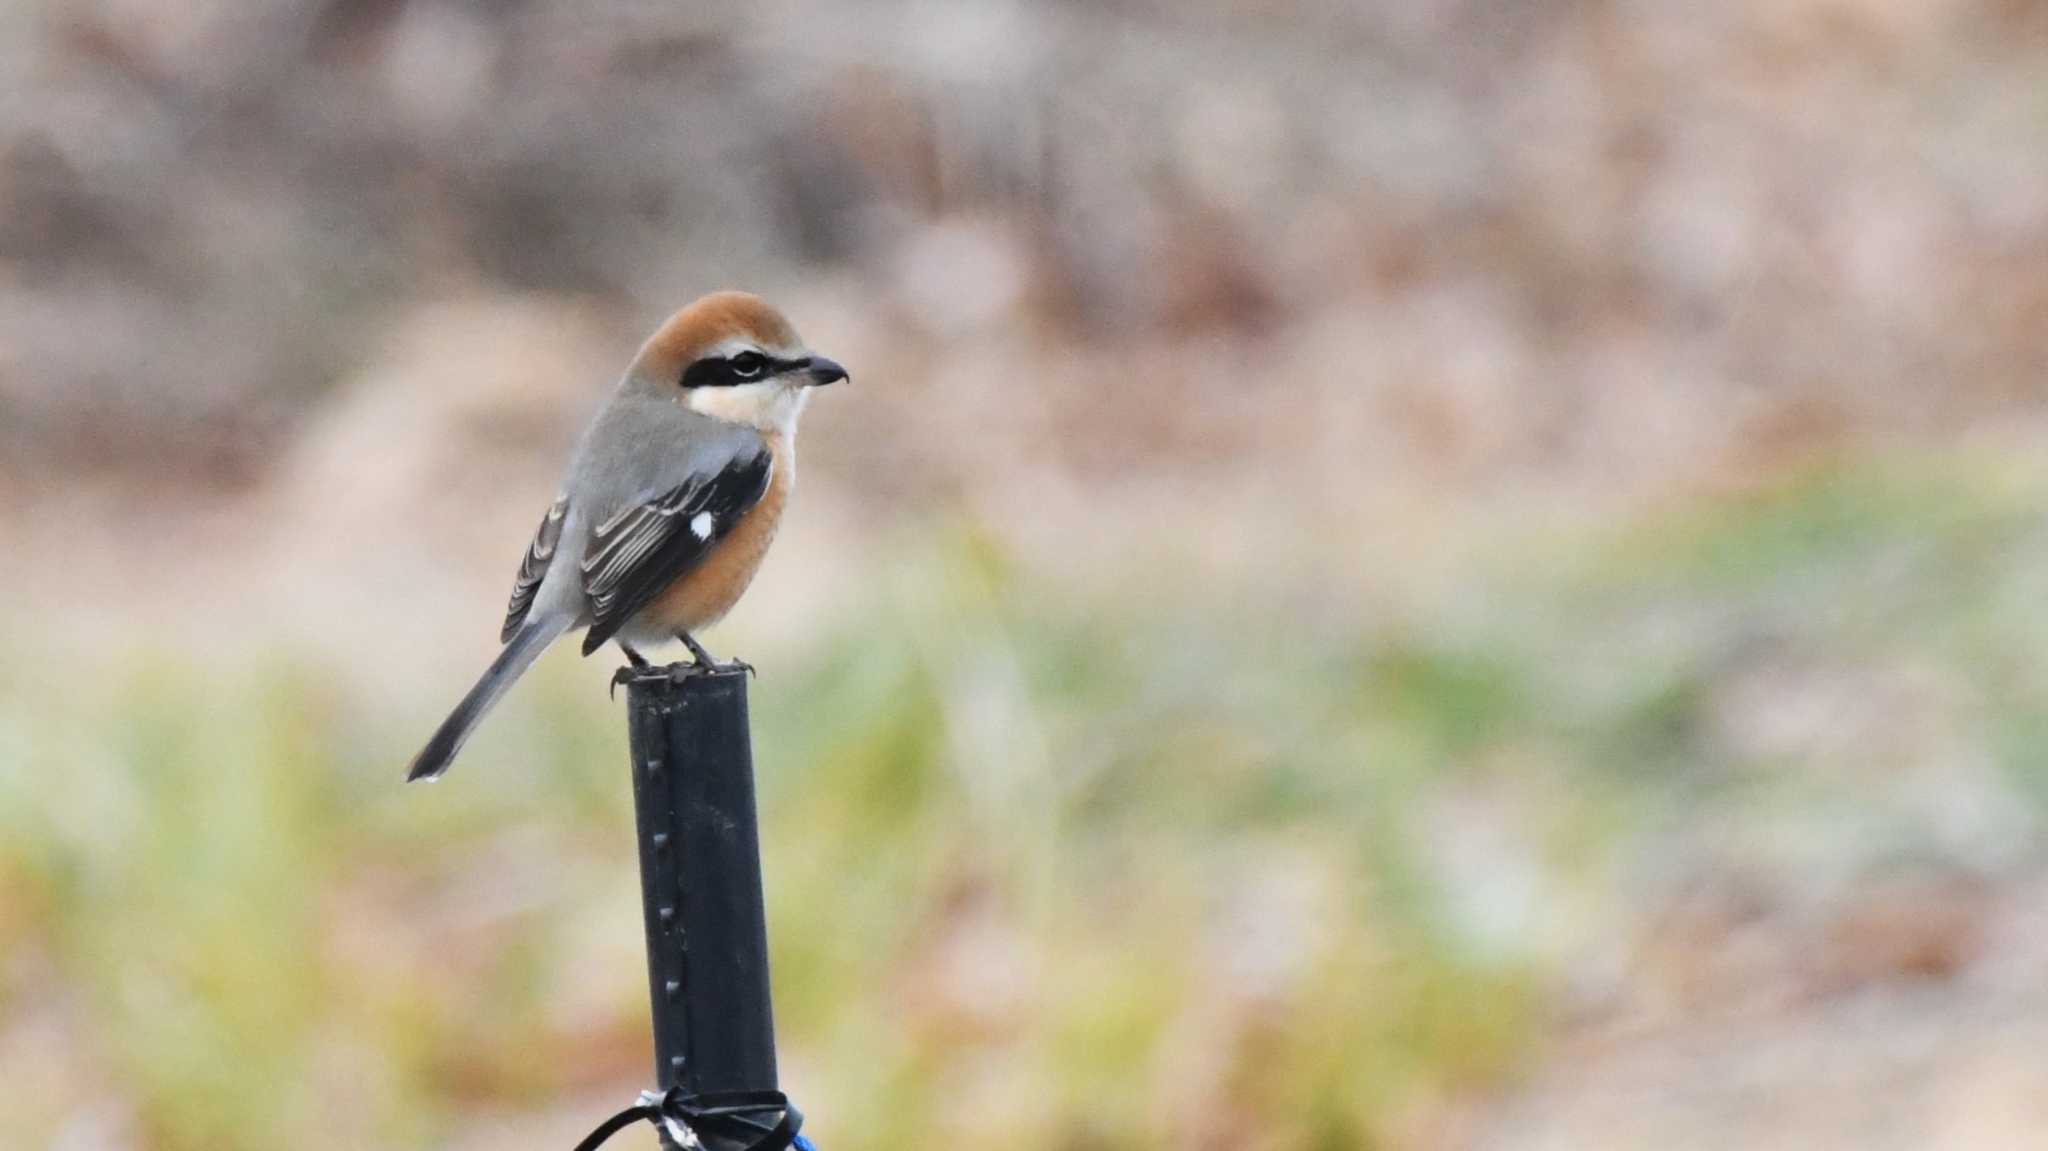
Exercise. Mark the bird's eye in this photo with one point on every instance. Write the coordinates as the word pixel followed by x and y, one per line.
pixel 748 365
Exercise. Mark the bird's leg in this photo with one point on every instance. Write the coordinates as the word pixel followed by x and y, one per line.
pixel 705 659
pixel 637 662
pixel 697 651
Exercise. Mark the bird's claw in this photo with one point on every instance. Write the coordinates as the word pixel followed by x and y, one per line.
pixel 678 672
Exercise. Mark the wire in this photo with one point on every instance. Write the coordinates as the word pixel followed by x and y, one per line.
pixel 730 1117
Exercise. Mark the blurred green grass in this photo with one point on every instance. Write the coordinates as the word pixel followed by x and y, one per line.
pixel 1047 867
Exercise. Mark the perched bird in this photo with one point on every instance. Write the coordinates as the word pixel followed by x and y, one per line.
pixel 671 499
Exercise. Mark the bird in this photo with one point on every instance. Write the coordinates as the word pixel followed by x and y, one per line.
pixel 671 499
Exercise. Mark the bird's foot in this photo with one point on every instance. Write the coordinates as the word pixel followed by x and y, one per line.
pixel 678 672
pixel 636 663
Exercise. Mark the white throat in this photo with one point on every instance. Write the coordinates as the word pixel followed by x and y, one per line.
pixel 771 406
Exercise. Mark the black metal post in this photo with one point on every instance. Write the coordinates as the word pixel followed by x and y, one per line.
pixel 700 879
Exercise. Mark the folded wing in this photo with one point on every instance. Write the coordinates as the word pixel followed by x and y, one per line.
pixel 634 555
pixel 533 567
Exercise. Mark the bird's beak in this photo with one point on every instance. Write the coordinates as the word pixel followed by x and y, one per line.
pixel 821 371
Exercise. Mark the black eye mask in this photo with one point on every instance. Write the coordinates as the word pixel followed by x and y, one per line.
pixel 744 368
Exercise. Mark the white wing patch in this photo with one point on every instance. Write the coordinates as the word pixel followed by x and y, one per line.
pixel 701 524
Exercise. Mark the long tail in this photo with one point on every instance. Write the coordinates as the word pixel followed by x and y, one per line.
pixel 520 651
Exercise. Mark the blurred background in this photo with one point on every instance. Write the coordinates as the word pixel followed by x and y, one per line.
pixel 1402 574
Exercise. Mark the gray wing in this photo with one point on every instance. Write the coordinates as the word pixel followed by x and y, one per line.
pixel 647 545
pixel 533 567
